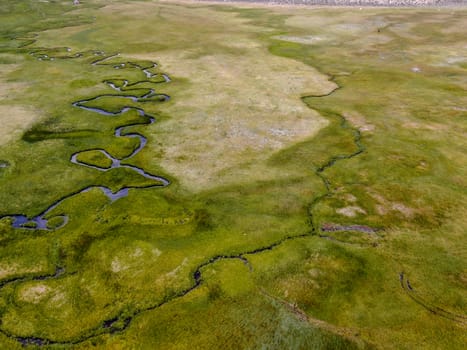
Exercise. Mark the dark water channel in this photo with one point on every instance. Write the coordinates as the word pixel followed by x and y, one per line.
pixel 42 221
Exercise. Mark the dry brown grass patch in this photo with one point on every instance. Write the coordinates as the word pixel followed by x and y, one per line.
pixel 14 119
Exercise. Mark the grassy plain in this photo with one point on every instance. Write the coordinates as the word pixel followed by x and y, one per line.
pixel 268 105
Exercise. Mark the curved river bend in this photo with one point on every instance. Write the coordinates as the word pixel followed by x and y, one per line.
pixel 121 321
pixel 41 221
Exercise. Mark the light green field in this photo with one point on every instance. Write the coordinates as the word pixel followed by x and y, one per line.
pixel 317 167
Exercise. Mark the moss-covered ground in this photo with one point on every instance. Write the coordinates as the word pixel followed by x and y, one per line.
pixel 316 160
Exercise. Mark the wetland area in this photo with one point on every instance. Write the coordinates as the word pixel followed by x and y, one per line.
pixel 196 175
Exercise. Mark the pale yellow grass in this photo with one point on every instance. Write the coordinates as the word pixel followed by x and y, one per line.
pixel 364 31
pixel 241 105
pixel 351 211
pixel 34 293
pixel 8 270
pixel 236 105
pixel 306 39
pixel 359 121
pixel 370 31
pixel 238 112
pixel 14 119
pixel 384 206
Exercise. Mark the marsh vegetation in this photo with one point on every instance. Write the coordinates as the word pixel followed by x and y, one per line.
pixel 303 186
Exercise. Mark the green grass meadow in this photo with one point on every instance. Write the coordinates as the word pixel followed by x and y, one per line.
pixel 245 263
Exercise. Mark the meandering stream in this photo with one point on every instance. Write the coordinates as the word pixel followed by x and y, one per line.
pixel 41 221
pixel 121 321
